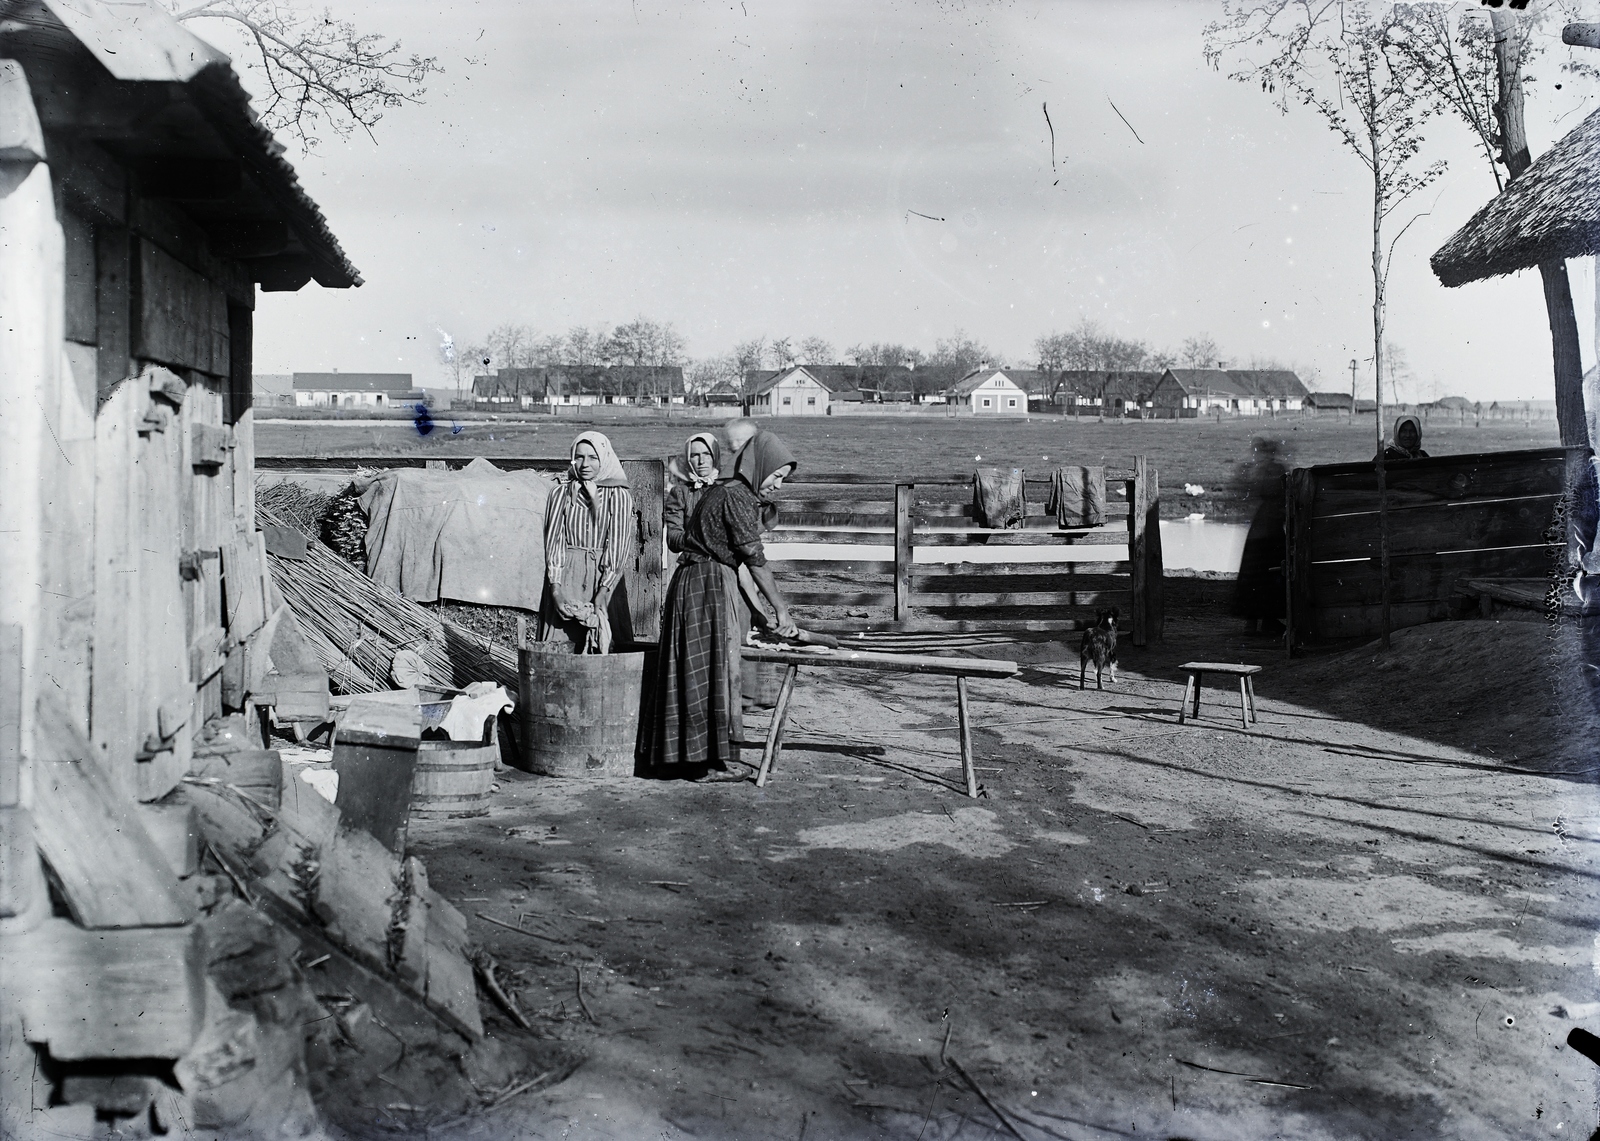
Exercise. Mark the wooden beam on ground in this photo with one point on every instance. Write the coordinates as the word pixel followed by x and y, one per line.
pixel 131 993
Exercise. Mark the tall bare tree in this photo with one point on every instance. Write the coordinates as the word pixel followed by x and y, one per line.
pixel 815 350
pixel 319 72
pixel 1344 61
pixel 1474 65
pixel 1199 351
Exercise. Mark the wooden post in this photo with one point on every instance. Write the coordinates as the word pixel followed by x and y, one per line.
pixel 967 771
pixel 1136 547
pixel 903 497
pixel 1300 499
pixel 1155 617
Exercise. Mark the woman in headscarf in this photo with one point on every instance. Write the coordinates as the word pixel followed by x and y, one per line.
pixel 696 707
pixel 1259 589
pixel 701 456
pixel 1407 443
pixel 589 533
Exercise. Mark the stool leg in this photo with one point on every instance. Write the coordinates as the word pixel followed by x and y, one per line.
pixel 967 770
pixel 1183 702
pixel 769 755
pixel 1244 703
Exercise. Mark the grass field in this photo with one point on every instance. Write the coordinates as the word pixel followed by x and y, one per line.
pixel 904 448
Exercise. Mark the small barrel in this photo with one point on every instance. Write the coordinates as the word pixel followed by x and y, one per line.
pixel 453 778
pixel 579 713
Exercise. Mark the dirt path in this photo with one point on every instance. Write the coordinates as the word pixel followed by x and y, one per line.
pixel 1317 929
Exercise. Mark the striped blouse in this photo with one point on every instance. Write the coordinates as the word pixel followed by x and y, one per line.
pixel 570 524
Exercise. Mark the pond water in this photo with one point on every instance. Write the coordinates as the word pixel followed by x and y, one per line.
pixel 1186 544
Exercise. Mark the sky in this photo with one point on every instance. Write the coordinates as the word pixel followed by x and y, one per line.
pixel 885 172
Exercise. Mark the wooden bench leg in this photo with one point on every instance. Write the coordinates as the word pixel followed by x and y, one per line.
pixel 1199 677
pixel 1250 688
pixel 1244 701
pixel 769 754
pixel 967 770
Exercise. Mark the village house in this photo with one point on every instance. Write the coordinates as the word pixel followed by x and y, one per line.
pixel 547 387
pixel 355 390
pixel 795 391
pixel 989 391
pixel 1184 393
pixel 1085 392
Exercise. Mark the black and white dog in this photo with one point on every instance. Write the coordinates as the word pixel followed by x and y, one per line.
pixel 1099 646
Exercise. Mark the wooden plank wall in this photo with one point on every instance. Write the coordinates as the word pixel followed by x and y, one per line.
pixel 847 513
pixel 1451 518
pixel 643 582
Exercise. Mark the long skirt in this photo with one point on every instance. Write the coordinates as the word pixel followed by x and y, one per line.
pixel 1259 592
pixel 580 577
pixel 696 707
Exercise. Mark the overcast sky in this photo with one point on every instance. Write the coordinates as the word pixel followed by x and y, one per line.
pixel 751 169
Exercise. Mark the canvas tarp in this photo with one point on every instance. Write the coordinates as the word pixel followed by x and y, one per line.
pixel 475 535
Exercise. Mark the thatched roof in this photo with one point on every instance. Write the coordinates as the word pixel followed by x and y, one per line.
pixel 1551 211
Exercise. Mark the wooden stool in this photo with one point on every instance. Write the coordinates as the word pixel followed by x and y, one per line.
pixel 1247 688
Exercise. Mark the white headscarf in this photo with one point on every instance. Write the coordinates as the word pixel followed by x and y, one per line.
pixel 609 475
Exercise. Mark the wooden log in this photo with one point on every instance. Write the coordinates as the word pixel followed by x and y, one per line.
pixel 110 872
pixel 183 316
pixel 130 993
pixel 887 663
pixel 175 829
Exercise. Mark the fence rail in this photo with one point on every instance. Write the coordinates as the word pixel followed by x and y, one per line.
pixel 863 533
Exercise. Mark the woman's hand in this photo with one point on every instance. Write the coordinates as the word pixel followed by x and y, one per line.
pixel 786 625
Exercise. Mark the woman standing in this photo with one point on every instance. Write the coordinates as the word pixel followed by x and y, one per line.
pixel 1259 589
pixel 697 679
pixel 701 456
pixel 588 539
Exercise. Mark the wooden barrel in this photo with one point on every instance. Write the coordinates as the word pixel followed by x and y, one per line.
pixel 453 778
pixel 579 713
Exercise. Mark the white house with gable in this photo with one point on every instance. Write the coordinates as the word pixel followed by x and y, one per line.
pixel 990 392
pixel 787 392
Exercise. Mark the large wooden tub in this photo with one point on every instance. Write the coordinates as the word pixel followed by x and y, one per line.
pixel 579 713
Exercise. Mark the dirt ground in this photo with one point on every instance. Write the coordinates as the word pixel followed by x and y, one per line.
pixel 1371 915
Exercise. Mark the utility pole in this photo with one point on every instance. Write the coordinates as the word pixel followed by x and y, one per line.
pixel 1352 390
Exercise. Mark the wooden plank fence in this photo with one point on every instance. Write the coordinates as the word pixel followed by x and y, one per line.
pixel 842 516
pixel 1451 518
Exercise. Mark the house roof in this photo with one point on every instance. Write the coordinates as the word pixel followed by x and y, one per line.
pixel 970 383
pixel 1279 383
pixel 132 80
pixel 1207 382
pixel 353 382
pixel 829 377
pixel 1552 210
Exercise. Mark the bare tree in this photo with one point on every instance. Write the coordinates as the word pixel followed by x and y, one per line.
pixel 1474 66
pixel 1343 60
pixel 962 352
pixel 319 72
pixel 1199 351
pixel 783 352
pixel 815 350
pixel 748 356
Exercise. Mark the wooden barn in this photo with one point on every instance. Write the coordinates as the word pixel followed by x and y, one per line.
pixel 141 207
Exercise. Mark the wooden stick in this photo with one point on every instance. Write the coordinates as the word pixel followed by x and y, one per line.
pixel 483 963
pixel 966 737
pixel 522 1087
pixel 993 1108
pixel 583 1002
pixel 769 755
pixel 518 930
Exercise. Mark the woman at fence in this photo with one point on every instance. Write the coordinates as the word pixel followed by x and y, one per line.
pixel 695 713
pixel 1407 442
pixel 701 456
pixel 589 534
pixel 1259 589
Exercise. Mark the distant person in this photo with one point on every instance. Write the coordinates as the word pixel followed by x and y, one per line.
pixel 588 538
pixel 1258 593
pixel 1407 443
pixel 695 712
pixel 699 470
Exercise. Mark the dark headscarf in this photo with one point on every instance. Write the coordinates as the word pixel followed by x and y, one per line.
pixel 762 456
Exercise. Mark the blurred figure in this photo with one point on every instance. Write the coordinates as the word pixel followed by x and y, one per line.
pixel 1259 592
pixel 1407 443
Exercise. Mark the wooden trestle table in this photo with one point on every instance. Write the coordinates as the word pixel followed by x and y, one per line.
pixel 959 668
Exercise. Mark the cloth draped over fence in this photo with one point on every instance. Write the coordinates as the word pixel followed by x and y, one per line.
pixel 997 499
pixel 1078 496
pixel 475 535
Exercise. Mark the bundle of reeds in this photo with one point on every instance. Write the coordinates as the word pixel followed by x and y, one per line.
pixel 295 503
pixel 357 626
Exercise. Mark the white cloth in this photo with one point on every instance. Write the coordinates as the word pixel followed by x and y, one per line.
pixel 470 711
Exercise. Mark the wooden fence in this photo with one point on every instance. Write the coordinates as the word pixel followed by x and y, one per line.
pixel 1451 518
pixel 849 515
pixel 846 585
